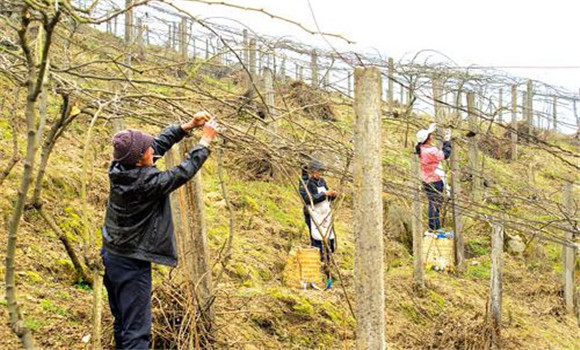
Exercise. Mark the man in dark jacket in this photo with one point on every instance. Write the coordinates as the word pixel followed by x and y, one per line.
pixel 138 227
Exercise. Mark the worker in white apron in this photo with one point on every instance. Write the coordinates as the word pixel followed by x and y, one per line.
pixel 317 197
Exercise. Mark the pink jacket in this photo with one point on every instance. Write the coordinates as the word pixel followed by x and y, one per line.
pixel 430 158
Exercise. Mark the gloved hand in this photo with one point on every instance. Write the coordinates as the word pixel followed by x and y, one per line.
pixel 209 132
pixel 447 136
pixel 199 119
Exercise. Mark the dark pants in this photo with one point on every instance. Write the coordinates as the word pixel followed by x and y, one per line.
pixel 128 283
pixel 307 220
pixel 320 245
pixel 434 192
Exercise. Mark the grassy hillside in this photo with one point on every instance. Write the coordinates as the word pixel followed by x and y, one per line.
pixel 254 308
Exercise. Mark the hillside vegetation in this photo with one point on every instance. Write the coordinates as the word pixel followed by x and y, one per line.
pixel 255 309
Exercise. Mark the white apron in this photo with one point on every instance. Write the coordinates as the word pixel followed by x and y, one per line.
pixel 321 214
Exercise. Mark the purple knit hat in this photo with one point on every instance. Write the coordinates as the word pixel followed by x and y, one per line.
pixel 130 145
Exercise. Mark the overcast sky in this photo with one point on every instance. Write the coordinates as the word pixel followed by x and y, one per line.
pixel 489 33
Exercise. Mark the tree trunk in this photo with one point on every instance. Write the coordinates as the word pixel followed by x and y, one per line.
pixel 368 207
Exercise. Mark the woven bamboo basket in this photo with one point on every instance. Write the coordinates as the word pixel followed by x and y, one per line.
pixel 302 266
pixel 438 253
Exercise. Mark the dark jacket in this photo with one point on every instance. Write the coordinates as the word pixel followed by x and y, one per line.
pixel 312 185
pixel 138 223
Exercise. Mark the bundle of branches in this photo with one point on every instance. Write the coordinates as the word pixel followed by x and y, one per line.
pixel 313 102
pixel 174 325
pixel 497 148
pixel 256 164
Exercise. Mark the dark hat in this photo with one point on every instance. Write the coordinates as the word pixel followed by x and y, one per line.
pixel 315 165
pixel 130 145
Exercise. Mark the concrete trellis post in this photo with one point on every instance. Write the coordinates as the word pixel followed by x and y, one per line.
pixel 473 151
pixel 115 26
pixel 139 39
pixel 349 84
pixel 569 253
pixel 368 206
pixel 252 66
pixel 175 36
pixel 129 23
pixel 418 268
pixel 514 124
pixel 183 40
pixel 282 72
pixel 437 88
pixel 314 69
pixel 555 113
pixel 530 105
pixel 496 285
pixel 301 73
pixel 128 31
pixel 269 95
pixel 246 49
pixel 169 35
pixel 391 76
pixel 207 49
pixel 296 68
pixel 458 242
pixel 500 106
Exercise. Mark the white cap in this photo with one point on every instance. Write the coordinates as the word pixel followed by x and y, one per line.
pixel 423 134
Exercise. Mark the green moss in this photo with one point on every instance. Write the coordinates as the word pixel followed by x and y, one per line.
pixel 50 307
pixel 34 277
pixel 437 298
pixel 409 311
pixel 481 271
pixel 477 248
pixel 33 324
pixel 304 308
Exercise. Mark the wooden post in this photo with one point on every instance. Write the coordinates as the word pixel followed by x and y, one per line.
pixel 416 220
pixel 458 243
pixel 368 206
pixel 314 69
pixel 555 113
pixel 569 253
pixel 496 285
pixel 514 124
pixel 473 151
pixel 391 76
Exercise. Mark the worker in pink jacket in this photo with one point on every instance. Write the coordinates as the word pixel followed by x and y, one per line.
pixel 432 173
